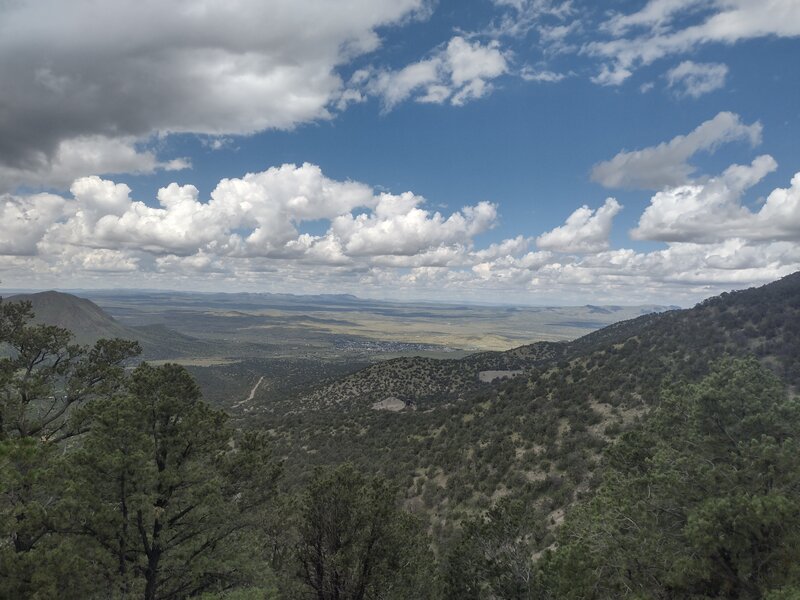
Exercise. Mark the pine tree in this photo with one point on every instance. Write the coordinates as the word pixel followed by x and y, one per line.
pixel 46 382
pixel 168 493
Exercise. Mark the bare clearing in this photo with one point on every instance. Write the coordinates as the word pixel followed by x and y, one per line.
pixel 391 403
pixel 489 376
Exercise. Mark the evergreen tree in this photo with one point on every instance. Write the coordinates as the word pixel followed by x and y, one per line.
pixel 44 377
pixel 164 488
pixel 494 557
pixel 356 544
pixel 46 382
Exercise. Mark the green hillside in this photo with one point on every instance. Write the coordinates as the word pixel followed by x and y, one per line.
pixel 540 436
pixel 655 458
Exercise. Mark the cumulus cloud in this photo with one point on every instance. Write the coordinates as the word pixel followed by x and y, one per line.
pixel 585 231
pixel 255 215
pixel 513 270
pixel 250 233
pixel 659 29
pixel 667 163
pixel 398 226
pixel 258 216
pixel 25 219
pixel 682 264
pixel 80 97
pixel 695 79
pixel 713 211
pixel 510 247
pixel 459 72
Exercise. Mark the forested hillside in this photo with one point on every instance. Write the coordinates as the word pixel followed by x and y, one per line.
pixel 651 459
pixel 420 380
pixel 537 437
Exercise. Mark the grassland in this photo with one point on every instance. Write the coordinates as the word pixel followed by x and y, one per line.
pixel 307 325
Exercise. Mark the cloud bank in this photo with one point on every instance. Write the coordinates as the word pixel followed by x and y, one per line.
pixel 253 232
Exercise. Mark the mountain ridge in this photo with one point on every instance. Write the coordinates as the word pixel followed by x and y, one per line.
pixel 89 323
pixel 422 378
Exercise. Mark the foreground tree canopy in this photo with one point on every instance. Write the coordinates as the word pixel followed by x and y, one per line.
pixel 702 502
pixel 119 481
pixel 115 483
pixel 355 543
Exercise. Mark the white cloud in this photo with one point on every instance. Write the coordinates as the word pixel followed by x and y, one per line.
pixel 510 247
pixel 655 15
pixel 395 87
pixel 267 206
pixel 712 211
pixel 695 79
pixel 398 226
pixel 450 256
pixel 25 219
pixel 249 235
pixel 667 163
pixel 459 72
pixel 611 75
pixel 585 231
pixel 151 67
pixel 105 261
pixel 657 30
pixel 256 216
pixel 512 270
pixel 543 76
pixel 525 15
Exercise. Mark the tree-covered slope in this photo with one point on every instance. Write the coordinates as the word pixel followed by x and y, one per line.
pixel 761 321
pixel 537 437
pixel 421 380
pixel 649 460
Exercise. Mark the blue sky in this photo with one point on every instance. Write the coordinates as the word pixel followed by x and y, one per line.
pixel 523 150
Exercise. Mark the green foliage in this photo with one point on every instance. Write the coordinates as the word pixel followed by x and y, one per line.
pixel 28 469
pixel 494 557
pixel 44 376
pixel 700 503
pixel 126 484
pixel 355 543
pixel 174 504
pixel 46 382
pixel 116 484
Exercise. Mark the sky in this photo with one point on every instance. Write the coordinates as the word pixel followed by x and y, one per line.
pixel 510 151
